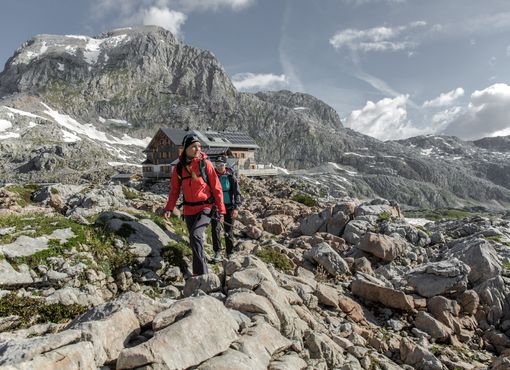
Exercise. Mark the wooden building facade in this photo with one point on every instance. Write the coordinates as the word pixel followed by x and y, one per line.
pixel 165 148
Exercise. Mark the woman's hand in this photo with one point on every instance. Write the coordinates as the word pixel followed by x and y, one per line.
pixel 235 213
pixel 167 215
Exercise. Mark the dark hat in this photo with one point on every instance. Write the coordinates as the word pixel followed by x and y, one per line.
pixel 188 140
pixel 221 159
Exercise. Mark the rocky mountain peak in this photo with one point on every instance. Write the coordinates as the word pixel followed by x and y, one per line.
pixel 88 76
pixel 307 105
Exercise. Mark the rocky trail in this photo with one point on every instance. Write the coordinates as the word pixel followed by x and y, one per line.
pixel 93 278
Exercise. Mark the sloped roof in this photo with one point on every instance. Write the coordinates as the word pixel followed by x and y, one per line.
pixel 176 134
pixel 231 139
pixel 213 139
pixel 216 151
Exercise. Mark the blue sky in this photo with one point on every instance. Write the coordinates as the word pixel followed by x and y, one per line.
pixel 391 68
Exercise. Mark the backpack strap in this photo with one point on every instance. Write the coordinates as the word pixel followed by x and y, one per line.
pixel 203 171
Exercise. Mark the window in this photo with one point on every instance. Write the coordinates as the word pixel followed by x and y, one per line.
pixel 147 168
pixel 242 155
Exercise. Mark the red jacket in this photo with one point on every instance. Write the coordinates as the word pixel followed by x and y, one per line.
pixel 196 190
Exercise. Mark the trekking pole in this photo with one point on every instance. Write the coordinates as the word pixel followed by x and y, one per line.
pixel 216 216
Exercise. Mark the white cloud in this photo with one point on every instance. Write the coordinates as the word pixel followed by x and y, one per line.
pixel 384 120
pixel 445 99
pixel 363 2
pixel 236 5
pixel 377 38
pixel 487 114
pixel 441 119
pixel 164 17
pixel 170 14
pixel 257 82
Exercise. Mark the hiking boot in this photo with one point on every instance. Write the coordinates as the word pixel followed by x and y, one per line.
pixel 217 256
pixel 230 255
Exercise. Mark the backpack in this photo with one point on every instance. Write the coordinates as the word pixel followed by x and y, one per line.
pixel 203 173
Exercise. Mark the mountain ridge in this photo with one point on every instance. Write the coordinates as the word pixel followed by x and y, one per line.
pixel 145 79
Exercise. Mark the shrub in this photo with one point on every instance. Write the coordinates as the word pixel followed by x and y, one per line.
pixel 384 216
pixel 278 259
pixel 305 199
pixel 36 311
pixel 130 193
pixel 174 254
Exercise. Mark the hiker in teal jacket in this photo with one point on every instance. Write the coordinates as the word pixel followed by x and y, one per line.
pixel 232 200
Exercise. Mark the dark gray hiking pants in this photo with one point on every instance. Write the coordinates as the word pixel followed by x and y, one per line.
pixel 218 227
pixel 196 227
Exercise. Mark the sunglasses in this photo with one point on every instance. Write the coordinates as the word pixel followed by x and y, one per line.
pixel 219 165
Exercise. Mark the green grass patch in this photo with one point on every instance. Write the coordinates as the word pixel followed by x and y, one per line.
pixel 130 193
pixel 440 214
pixel 36 311
pixel 278 259
pixel 384 216
pixel 39 258
pixel 494 238
pixel 174 254
pixel 98 241
pixel 42 224
pixel 54 191
pixel 506 265
pixel 24 191
pixel 307 200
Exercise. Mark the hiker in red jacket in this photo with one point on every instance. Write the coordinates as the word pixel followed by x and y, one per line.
pixel 201 190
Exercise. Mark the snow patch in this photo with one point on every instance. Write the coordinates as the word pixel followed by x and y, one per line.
pixel 88 130
pixel 60 66
pixel 9 135
pixel 79 37
pixel 417 221
pixel 113 164
pixel 300 108
pixel 23 113
pixel 360 155
pixel 69 137
pixel 71 50
pixel 4 124
pixel 427 152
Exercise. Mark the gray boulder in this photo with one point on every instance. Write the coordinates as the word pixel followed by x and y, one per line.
pixel 253 351
pixel 15 351
pixel 326 257
pixel 71 357
pixel 439 278
pixel 191 331
pixel 480 256
pixel 9 277
pixel 207 283
pixel 354 230
pixel 315 222
pixel 436 329
pixel 144 308
pixel 372 289
pixel 252 304
pixel 110 334
pixel 382 246
pixel 337 222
